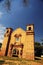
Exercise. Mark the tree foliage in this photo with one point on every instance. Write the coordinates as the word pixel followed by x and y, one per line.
pixel 0 45
pixel 37 44
pixel 38 49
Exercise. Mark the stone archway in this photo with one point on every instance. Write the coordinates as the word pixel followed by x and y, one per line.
pixel 16 50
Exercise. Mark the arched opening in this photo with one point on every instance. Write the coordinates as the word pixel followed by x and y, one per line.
pixel 15 52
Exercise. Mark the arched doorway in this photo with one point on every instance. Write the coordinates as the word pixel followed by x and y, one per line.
pixel 15 52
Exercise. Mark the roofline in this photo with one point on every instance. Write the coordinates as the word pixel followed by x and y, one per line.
pixel 9 28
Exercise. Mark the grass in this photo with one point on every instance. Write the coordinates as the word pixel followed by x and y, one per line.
pixel 2 62
pixel 18 61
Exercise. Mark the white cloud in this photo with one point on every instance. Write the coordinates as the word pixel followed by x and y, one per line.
pixel 2 31
pixel 1 14
pixel 1 40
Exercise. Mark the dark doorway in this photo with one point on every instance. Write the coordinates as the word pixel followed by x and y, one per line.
pixel 15 53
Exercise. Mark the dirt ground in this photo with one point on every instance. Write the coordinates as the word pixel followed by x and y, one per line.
pixel 17 61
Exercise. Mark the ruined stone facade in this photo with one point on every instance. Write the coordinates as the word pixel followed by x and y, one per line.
pixel 19 43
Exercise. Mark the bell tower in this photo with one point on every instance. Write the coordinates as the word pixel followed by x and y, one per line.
pixel 30 29
pixel 30 41
pixel 5 44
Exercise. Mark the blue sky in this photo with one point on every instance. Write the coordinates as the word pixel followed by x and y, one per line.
pixel 20 16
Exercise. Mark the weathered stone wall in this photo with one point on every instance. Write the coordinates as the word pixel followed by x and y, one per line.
pixel 25 37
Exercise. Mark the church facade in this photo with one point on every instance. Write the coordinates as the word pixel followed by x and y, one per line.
pixel 19 43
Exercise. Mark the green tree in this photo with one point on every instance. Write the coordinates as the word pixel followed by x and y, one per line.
pixel 0 45
pixel 38 49
pixel 37 44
